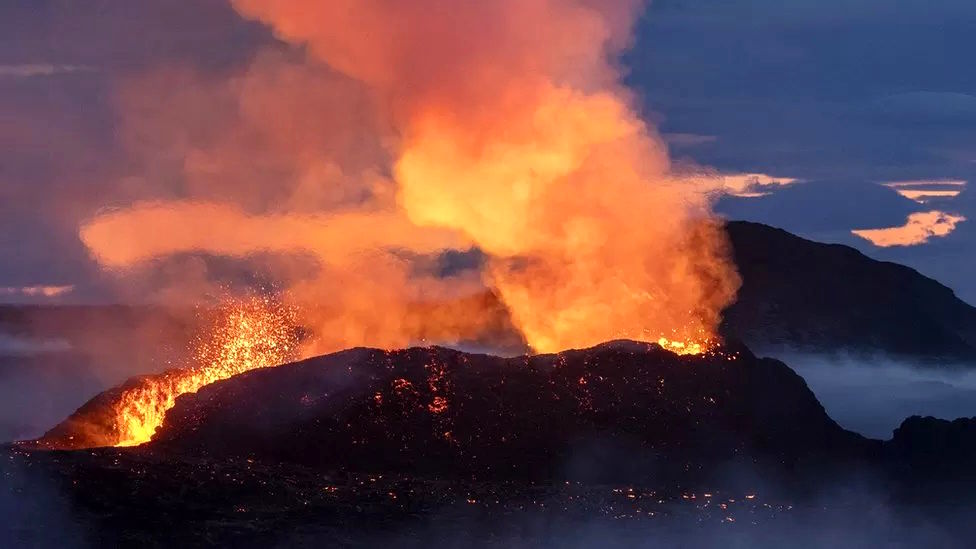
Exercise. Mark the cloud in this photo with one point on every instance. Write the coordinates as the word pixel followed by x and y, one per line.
pixel 497 125
pixel 923 191
pixel 920 228
pixel 36 291
pixel 30 70
pixel 15 346
pixel 820 209
pixel 926 183
pixel 820 12
pixel 753 185
pixel 688 139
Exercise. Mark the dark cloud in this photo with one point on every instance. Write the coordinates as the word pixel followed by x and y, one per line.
pixel 795 87
pixel 948 109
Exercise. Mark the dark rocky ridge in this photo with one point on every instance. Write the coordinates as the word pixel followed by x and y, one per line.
pixel 935 449
pixel 625 409
pixel 829 297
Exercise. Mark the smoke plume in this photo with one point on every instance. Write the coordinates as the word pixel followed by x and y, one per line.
pixel 383 133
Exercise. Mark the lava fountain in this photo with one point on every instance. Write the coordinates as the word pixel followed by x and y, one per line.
pixel 245 334
pixel 251 334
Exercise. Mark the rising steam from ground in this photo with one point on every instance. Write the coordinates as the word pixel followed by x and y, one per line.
pixel 388 132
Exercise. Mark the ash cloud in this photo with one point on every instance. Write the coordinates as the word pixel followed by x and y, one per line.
pixel 501 127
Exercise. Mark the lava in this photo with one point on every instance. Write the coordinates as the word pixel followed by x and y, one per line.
pixel 686 347
pixel 249 334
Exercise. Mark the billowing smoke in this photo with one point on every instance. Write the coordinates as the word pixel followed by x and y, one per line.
pixel 384 133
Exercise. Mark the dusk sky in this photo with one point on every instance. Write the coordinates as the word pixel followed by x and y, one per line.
pixel 841 98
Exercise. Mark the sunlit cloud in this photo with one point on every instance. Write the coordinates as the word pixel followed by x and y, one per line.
pixel 919 229
pixel 923 196
pixel 36 291
pixel 753 185
pixel 927 183
pixel 30 70
pixel 923 191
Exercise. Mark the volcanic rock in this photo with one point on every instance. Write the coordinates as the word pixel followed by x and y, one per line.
pixel 830 297
pixel 935 448
pixel 620 409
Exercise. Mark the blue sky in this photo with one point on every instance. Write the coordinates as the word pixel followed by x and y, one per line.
pixel 842 94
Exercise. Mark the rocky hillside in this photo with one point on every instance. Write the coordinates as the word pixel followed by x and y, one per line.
pixel 815 296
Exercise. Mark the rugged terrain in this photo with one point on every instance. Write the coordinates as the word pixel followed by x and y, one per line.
pixel 610 445
pixel 621 409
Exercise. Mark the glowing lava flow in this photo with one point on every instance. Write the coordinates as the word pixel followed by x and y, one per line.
pixel 251 334
pixel 684 348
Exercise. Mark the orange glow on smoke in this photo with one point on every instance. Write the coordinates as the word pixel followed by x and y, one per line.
pixel 415 128
pixel 250 334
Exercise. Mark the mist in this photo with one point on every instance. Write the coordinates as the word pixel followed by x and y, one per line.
pixel 872 395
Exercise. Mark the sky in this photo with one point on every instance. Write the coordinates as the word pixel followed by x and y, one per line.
pixel 840 97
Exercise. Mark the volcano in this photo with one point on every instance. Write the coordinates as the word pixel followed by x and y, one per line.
pixel 621 408
pixel 422 438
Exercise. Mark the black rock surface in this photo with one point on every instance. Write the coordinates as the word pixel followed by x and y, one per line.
pixel 621 409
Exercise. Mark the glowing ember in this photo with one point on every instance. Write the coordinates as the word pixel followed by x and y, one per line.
pixel 684 348
pixel 250 334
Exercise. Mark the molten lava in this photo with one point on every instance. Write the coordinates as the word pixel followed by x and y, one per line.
pixel 685 347
pixel 249 334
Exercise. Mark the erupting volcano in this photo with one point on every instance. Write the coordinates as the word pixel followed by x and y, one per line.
pixel 496 131
pixel 465 291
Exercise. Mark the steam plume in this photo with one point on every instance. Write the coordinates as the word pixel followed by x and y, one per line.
pixel 415 127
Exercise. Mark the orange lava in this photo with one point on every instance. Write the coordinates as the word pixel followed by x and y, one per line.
pixel 250 334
